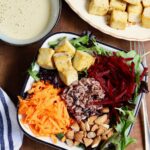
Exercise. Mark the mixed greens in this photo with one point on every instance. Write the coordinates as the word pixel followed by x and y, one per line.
pixel 120 140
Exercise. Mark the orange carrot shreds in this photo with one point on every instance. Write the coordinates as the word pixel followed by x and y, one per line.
pixel 44 111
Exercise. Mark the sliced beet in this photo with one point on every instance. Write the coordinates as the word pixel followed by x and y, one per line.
pixel 116 77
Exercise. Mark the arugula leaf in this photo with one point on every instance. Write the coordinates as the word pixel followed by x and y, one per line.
pixel 137 62
pixel 129 140
pixel 60 136
pixel 100 50
pixel 88 44
pixel 33 73
pixel 79 42
pixel 130 54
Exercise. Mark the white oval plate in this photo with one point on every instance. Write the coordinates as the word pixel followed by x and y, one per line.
pixel 29 82
pixel 132 33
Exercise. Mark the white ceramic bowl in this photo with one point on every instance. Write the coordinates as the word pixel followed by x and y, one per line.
pixel 55 13
pixel 46 140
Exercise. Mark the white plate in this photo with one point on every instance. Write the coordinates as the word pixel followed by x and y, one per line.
pixel 132 33
pixel 28 85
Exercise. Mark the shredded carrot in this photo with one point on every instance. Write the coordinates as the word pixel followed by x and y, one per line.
pixel 44 111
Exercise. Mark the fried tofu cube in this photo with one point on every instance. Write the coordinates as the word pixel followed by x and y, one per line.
pixel 118 5
pixel 133 2
pixel 82 60
pixel 146 3
pixel 134 18
pixel 98 7
pixel 45 58
pixel 134 13
pixel 65 46
pixel 69 76
pixel 146 17
pixel 118 19
pixel 135 8
pixel 62 61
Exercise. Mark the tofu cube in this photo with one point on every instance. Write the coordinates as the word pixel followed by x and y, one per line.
pixel 118 5
pixel 69 76
pixel 133 2
pixel 98 7
pixel 62 61
pixel 82 60
pixel 134 18
pixel 65 46
pixel 146 3
pixel 118 19
pixel 135 8
pixel 45 58
pixel 146 17
pixel 134 13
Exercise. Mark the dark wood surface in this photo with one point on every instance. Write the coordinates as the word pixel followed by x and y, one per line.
pixel 14 62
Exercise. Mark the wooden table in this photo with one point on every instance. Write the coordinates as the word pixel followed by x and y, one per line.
pixel 14 62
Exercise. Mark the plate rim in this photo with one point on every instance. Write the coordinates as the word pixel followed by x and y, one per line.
pixel 100 29
pixel 136 110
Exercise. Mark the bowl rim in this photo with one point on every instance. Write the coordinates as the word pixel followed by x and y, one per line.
pixel 136 110
pixel 40 38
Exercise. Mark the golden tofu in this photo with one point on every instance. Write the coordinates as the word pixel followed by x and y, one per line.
pixel 134 18
pixel 118 5
pixel 62 61
pixel 133 2
pixel 146 3
pixel 98 7
pixel 146 17
pixel 134 13
pixel 45 58
pixel 68 76
pixel 137 9
pixel 118 19
pixel 82 60
pixel 65 46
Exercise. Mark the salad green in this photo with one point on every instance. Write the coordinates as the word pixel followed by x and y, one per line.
pixel 121 140
pixel 33 73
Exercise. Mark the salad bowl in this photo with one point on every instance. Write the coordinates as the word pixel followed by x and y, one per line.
pixel 29 81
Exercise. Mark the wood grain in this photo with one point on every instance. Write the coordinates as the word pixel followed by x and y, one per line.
pixel 14 62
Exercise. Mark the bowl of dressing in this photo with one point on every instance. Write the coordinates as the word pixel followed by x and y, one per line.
pixel 27 21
